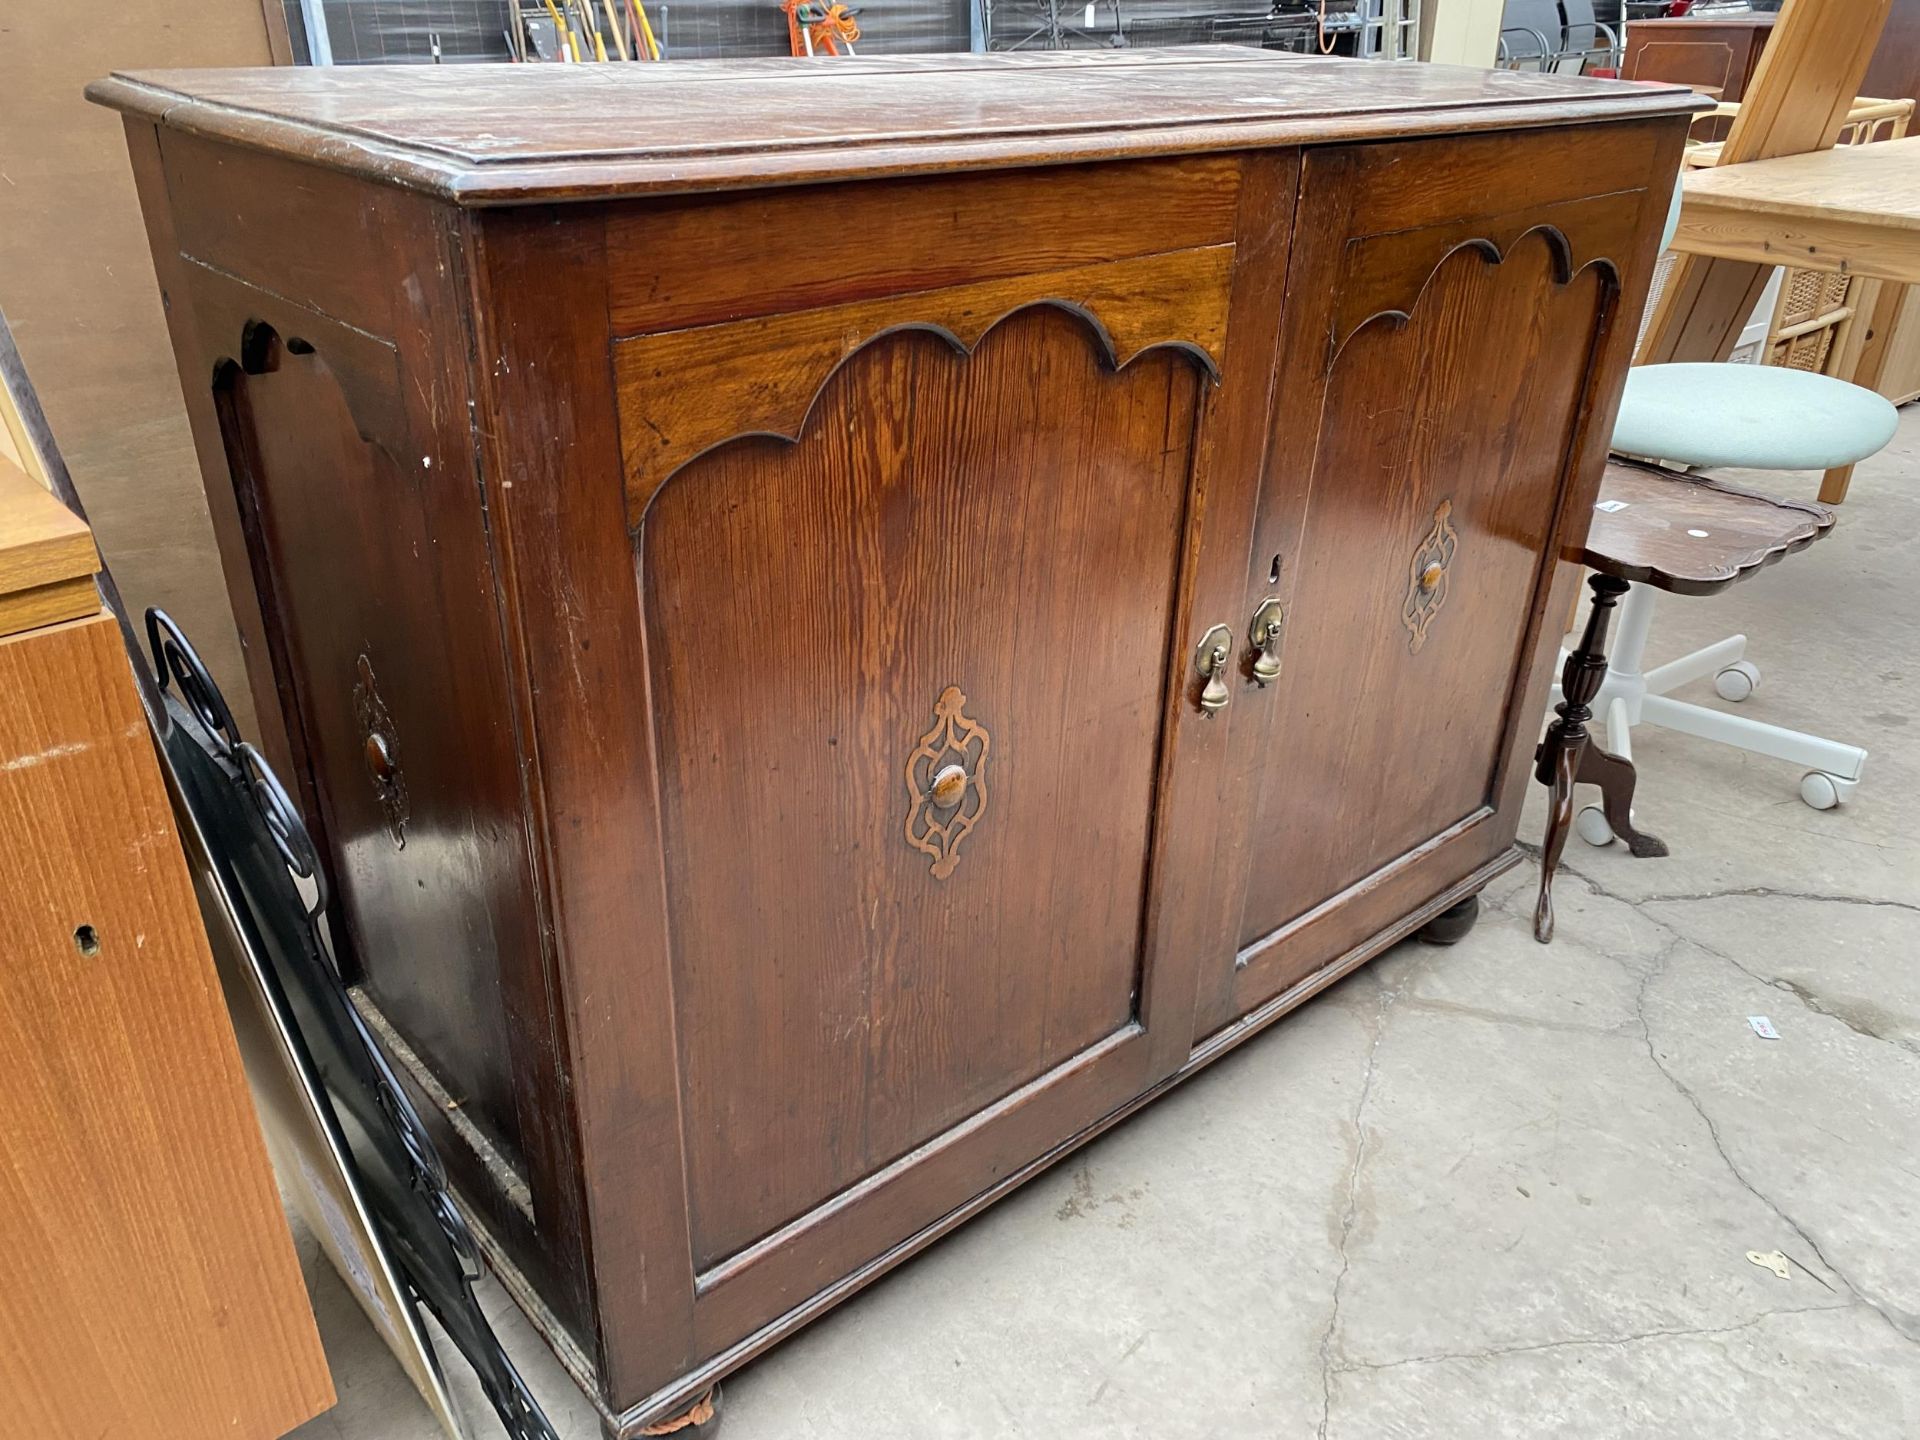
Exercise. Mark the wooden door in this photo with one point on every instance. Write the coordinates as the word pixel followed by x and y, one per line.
pixel 908 669
pixel 916 568
pixel 1452 353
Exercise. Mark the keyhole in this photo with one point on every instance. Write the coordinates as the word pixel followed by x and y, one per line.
pixel 1273 575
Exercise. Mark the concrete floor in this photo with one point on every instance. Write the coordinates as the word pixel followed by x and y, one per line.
pixel 1496 1190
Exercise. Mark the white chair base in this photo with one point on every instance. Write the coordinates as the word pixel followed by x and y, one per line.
pixel 1630 697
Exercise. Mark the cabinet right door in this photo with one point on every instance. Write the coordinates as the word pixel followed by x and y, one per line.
pixel 1453 356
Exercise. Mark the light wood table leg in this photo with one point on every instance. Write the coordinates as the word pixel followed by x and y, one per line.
pixel 1862 354
pixel 1702 310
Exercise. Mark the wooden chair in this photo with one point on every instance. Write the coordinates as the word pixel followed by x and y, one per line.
pixel 1799 100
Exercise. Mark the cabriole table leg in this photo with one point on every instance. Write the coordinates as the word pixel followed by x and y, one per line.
pixel 1616 778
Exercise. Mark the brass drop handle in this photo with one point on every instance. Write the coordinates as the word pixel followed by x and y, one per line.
pixel 1210 659
pixel 1268 621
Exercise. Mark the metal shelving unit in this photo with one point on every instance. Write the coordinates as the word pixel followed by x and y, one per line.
pixel 1374 29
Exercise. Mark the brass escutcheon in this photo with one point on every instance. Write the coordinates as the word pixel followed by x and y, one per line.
pixel 947 782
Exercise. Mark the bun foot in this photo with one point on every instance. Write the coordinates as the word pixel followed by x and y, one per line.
pixel 1451 925
pixel 700 1421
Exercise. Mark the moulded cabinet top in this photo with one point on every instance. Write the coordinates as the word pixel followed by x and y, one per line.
pixel 1758 20
pixel 497 134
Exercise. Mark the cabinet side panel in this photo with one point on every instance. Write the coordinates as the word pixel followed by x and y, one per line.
pixel 324 355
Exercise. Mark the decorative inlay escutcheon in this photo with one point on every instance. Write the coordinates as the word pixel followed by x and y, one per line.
pixel 947 782
pixel 380 749
pixel 1427 576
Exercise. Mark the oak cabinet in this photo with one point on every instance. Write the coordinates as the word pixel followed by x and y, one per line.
pixel 840 627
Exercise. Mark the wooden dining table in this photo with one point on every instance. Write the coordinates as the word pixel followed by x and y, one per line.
pixel 1852 209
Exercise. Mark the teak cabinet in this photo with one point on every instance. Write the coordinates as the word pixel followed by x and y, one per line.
pixel 842 626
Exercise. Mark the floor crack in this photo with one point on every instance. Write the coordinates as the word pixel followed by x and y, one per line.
pixel 1806 997
pixel 1495 1352
pixel 1900 1326
pixel 1327 1368
pixel 1809 998
pixel 1736 892
pixel 1767 892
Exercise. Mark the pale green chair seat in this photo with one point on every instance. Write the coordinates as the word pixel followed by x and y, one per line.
pixel 1755 417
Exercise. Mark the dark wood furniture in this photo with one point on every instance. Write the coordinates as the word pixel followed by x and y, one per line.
pixel 843 626
pixel 1894 72
pixel 1680 533
pixel 1715 55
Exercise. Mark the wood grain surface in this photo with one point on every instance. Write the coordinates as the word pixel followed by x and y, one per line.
pixel 798 646
pixel 1714 55
pixel 1691 535
pixel 148 1285
pixel 497 134
pixel 675 263
pixel 1453 362
pixel 1895 71
pixel 1807 79
pixel 683 392
pixel 346 467
pixel 47 559
pixel 1853 209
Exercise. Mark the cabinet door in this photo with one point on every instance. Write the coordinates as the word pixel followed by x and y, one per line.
pixel 908 670
pixel 914 581
pixel 1453 349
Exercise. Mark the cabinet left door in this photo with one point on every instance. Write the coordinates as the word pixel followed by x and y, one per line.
pixel 912 577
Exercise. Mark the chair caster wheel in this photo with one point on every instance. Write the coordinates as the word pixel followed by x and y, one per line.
pixel 1451 925
pixel 1823 791
pixel 1591 826
pixel 1737 681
